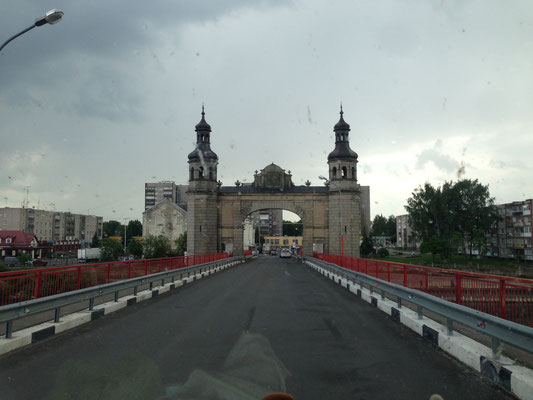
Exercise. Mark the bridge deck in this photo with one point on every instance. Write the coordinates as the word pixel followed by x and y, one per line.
pixel 264 325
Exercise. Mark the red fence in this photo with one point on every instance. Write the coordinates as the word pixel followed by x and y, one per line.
pixel 502 296
pixel 34 283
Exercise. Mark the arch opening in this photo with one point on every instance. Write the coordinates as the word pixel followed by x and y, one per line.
pixel 269 230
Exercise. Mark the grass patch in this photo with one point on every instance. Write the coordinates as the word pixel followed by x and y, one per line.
pixel 482 264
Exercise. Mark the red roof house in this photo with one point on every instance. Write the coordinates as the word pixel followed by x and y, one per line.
pixel 12 243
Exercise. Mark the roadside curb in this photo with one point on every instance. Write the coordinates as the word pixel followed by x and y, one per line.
pixel 504 371
pixel 33 334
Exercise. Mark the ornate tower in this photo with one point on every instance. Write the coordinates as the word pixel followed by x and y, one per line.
pixel 202 215
pixel 344 212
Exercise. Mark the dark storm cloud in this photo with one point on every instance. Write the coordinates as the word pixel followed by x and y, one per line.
pixel 90 43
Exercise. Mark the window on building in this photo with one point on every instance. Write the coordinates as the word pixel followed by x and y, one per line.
pixel 334 172
pixel 8 240
pixel 344 173
pixel 201 172
pixel 285 241
pixel 276 241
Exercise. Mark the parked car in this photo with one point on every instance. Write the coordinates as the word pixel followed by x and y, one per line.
pixel 11 261
pixel 285 253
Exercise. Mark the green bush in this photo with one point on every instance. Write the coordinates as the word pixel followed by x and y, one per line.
pixel 383 252
pixel 3 267
pixel 24 259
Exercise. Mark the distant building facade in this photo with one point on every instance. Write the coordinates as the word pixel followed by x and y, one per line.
pixel 268 222
pixel 51 225
pixel 404 233
pixel 156 192
pixel 512 237
pixel 165 218
pixel 283 241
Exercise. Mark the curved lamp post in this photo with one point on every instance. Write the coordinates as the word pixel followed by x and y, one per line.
pixel 51 17
pixel 328 182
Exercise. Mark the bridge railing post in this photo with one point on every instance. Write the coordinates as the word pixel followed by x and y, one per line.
pixel 37 290
pixel 503 308
pixel 107 272
pixel 405 275
pixel 458 289
pixel 78 280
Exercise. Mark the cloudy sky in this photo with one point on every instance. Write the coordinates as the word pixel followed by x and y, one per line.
pixel 106 100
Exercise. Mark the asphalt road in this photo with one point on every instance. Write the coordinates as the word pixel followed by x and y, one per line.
pixel 268 325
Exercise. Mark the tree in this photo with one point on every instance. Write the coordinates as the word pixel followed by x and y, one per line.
pixel 113 228
pixel 391 228
pixel 456 214
pixel 379 226
pixel 24 259
pixel 475 213
pixel 156 247
pixel 110 249
pixel 181 245
pixel 96 241
pixel 135 248
pixel 430 218
pixel 382 226
pixel 134 228
pixel 293 228
pixel 367 248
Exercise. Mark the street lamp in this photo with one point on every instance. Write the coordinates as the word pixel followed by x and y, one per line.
pixel 328 182
pixel 51 17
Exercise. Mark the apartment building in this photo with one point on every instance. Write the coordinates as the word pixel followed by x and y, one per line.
pixel 511 237
pixel 51 225
pixel 156 192
pixel 404 233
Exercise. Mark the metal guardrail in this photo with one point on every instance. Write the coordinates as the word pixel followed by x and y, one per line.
pixel 27 284
pixel 498 329
pixel 502 296
pixel 11 312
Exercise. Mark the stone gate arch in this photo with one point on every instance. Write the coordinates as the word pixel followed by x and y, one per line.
pixel 260 204
pixel 215 213
pixel 310 205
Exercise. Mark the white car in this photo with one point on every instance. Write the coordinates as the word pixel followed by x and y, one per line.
pixel 285 253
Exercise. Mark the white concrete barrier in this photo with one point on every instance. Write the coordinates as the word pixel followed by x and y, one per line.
pixel 515 378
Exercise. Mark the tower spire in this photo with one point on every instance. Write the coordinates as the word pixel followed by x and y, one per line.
pixel 342 146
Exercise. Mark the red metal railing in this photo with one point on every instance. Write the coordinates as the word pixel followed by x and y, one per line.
pixel 505 297
pixel 29 284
